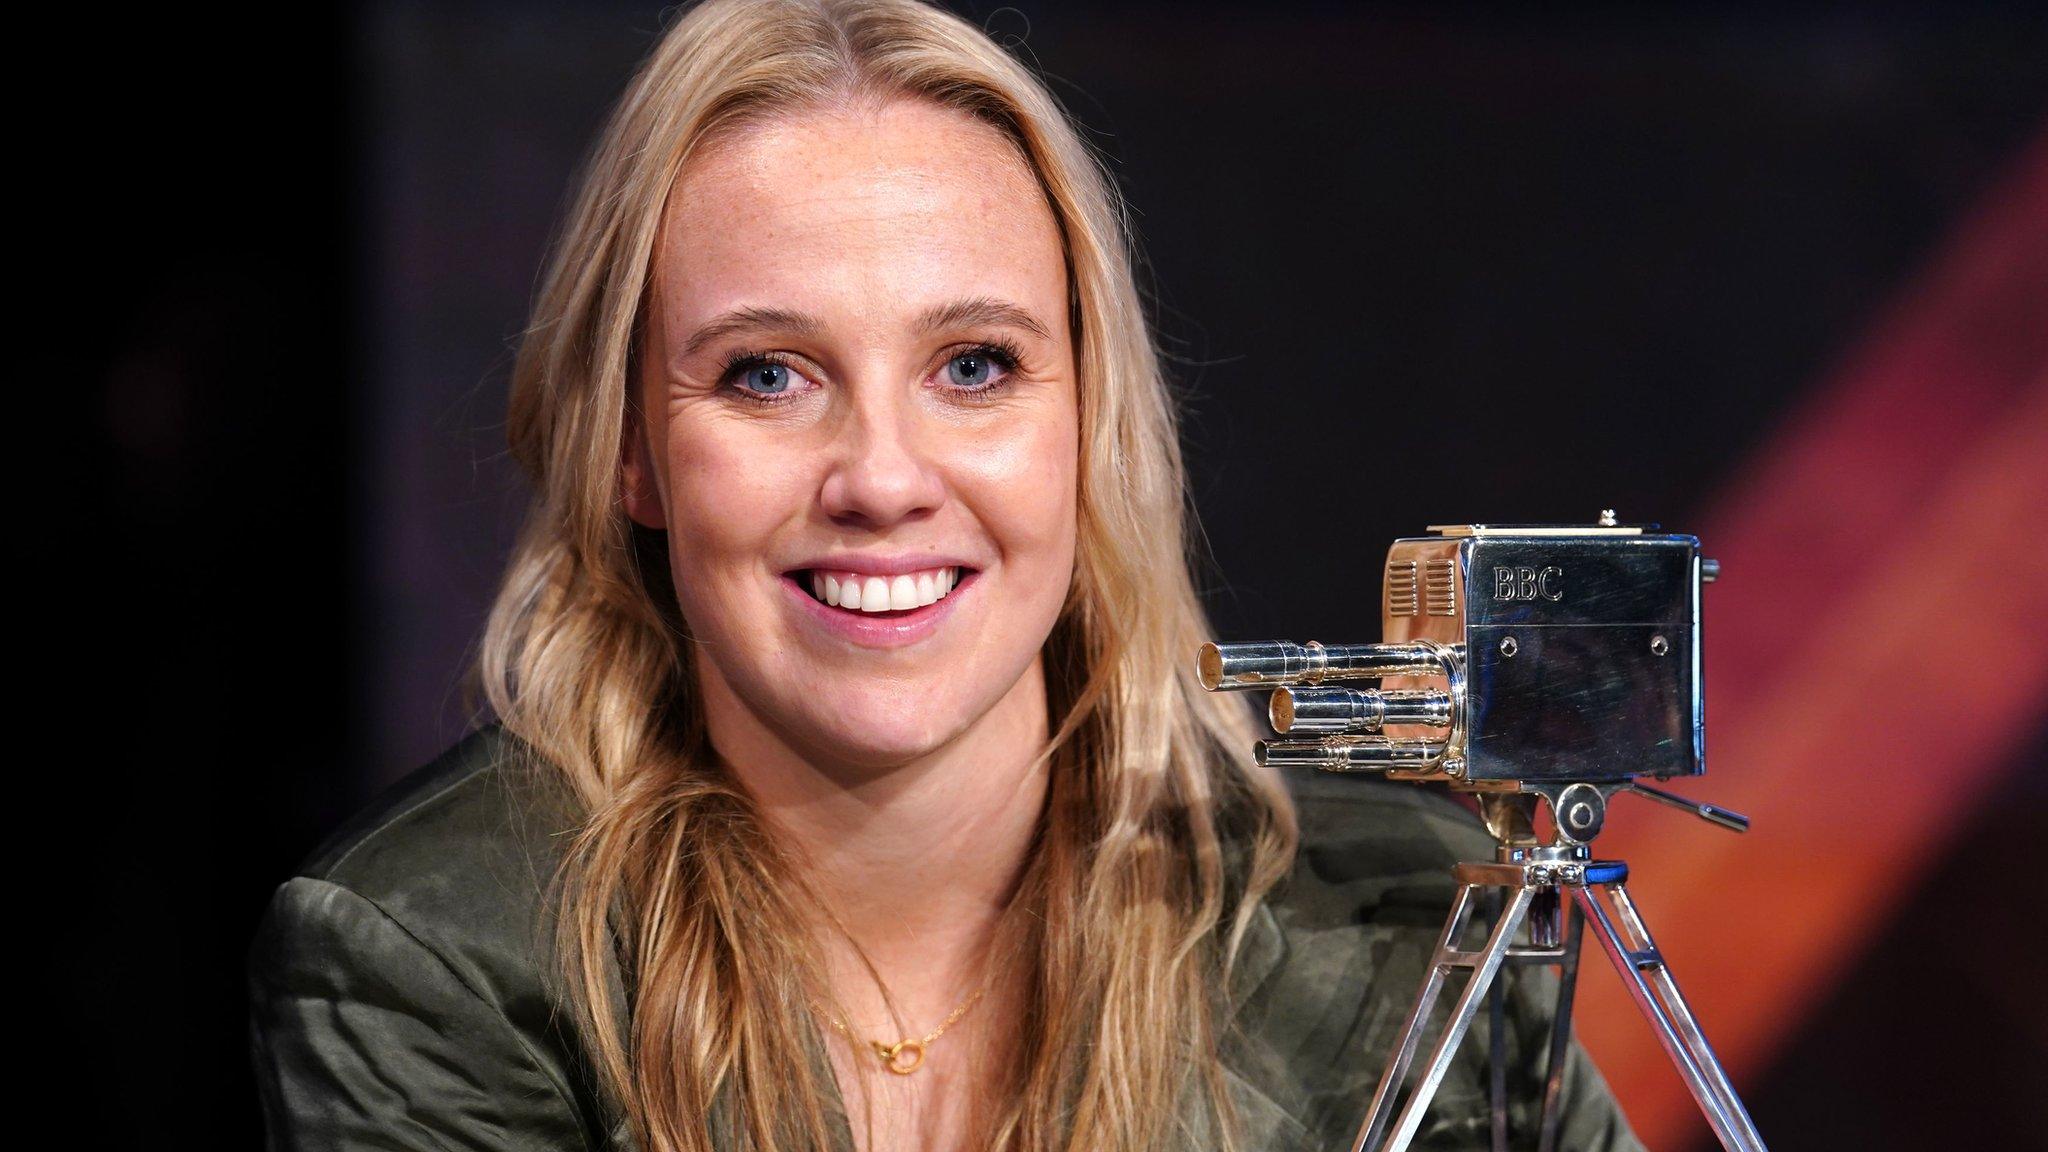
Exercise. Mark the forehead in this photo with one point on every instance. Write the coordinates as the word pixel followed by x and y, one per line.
pixel 884 209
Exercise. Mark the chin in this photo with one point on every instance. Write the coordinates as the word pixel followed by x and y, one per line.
pixel 871 726
pixel 881 742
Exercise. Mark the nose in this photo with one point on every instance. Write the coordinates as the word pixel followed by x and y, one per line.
pixel 882 468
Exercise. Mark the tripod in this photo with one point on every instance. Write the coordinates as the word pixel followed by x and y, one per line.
pixel 1534 878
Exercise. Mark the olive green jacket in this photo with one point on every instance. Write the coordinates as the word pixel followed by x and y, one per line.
pixel 397 995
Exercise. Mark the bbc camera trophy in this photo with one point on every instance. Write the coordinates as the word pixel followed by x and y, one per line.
pixel 1544 670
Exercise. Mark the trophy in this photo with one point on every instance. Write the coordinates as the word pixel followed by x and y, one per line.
pixel 1543 669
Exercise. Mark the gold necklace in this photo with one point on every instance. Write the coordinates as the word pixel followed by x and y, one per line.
pixel 906 1056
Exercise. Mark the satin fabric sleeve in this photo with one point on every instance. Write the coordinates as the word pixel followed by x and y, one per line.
pixel 364 1036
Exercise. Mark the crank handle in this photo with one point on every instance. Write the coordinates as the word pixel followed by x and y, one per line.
pixel 1733 821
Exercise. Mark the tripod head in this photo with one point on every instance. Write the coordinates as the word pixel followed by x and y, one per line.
pixel 1558 662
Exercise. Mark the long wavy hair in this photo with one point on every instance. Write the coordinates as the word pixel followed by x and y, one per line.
pixel 679 920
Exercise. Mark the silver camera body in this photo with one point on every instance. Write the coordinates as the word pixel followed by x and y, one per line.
pixel 1520 658
pixel 1580 647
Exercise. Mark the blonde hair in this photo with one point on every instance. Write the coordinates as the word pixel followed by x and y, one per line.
pixel 673 880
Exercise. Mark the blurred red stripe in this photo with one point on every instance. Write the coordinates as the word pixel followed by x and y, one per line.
pixel 1876 649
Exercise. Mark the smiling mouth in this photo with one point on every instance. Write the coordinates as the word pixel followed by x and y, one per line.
pixel 884 596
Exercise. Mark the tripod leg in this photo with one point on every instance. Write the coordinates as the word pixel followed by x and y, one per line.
pixel 1688 1024
pixel 1485 966
pixel 1684 1043
pixel 1561 1034
pixel 1497 1045
pixel 1377 1115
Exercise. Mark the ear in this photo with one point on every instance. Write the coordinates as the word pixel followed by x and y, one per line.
pixel 638 489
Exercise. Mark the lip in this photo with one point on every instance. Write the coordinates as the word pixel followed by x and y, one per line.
pixel 895 630
pixel 880 564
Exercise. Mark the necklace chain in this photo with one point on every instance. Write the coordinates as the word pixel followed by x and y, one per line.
pixel 907 1055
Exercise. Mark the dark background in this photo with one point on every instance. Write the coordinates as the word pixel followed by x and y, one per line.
pixel 1412 264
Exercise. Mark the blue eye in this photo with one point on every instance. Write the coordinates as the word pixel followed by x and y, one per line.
pixel 762 376
pixel 766 379
pixel 981 372
pixel 984 369
pixel 970 370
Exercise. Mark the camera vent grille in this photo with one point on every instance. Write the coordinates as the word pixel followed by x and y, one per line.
pixel 1403 594
pixel 1440 588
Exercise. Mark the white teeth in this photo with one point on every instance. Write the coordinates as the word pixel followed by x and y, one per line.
pixel 860 593
pixel 902 593
pixel 874 595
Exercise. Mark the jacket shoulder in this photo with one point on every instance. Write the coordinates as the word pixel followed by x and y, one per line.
pixel 411 953
pixel 461 855
pixel 1371 845
pixel 485 795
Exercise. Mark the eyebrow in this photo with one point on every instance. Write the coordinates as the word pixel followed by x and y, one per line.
pixel 970 312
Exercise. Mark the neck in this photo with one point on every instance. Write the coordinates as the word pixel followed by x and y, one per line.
pixel 916 860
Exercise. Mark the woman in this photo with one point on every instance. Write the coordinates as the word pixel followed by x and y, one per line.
pixel 850 789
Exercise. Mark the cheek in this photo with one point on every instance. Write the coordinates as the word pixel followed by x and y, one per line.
pixel 1027 472
pixel 727 493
